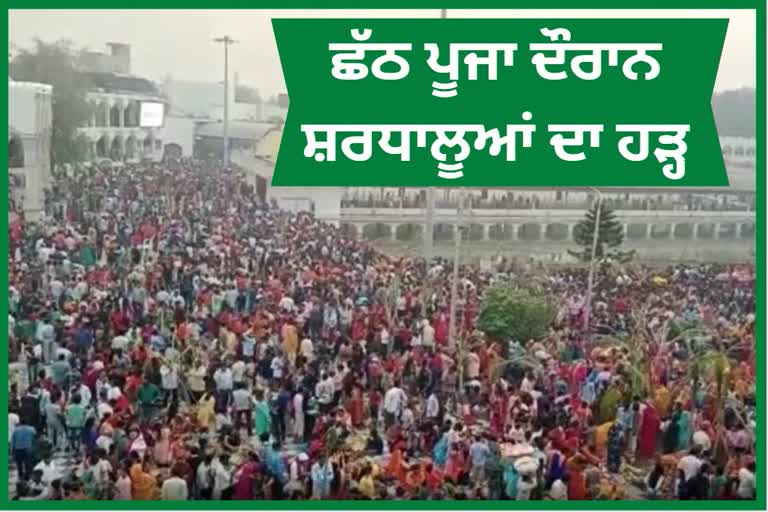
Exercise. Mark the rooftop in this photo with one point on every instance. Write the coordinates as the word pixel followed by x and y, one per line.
pixel 237 130
pixel 114 82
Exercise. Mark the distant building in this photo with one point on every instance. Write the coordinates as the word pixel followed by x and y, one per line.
pixel 259 162
pixel 740 150
pixel 116 129
pixel 29 145
pixel 209 137
pixel 194 125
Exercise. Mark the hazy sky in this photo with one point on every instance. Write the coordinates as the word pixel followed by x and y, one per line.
pixel 178 42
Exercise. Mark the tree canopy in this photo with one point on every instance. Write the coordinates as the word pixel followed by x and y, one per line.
pixel 610 235
pixel 54 64
pixel 510 311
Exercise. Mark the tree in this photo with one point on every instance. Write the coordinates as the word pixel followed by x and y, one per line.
pixel 509 311
pixel 54 64
pixel 610 233
pixel 247 94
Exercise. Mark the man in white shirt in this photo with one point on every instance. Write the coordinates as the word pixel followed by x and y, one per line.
pixel 101 473
pixel 559 491
pixel 277 366
pixel 103 408
pixel 746 489
pixel 307 350
pixel 433 407
pixel 690 464
pixel 224 383
pixel 287 304
pixel 324 391
pixel 242 403
pixel 394 400
pixel 702 440
pixel 170 381
pixel 238 372
pixel 428 335
pixel 50 469
pixel 472 366
pixel 13 422
pixel 407 418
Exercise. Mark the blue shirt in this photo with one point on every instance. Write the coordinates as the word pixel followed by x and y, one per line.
pixel 479 453
pixel 248 346
pixel 84 338
pixel 275 465
pixel 23 437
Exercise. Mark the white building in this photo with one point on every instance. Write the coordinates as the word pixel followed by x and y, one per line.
pixel 29 145
pixel 196 113
pixel 115 130
pixel 259 162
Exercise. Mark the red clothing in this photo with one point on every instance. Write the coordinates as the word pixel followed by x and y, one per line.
pixel 434 479
pixel 120 322
pixel 441 330
pixel 649 430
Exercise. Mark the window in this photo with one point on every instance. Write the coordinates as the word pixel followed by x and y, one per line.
pixel 15 152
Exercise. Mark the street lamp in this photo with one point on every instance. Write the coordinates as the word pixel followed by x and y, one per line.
pixel 452 327
pixel 226 41
pixel 591 278
pixel 429 224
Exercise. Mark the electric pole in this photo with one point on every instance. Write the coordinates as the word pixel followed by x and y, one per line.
pixel 226 41
pixel 429 224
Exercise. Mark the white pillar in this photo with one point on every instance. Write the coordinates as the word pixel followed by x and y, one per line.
pixel 625 229
pixel 486 228
pixel 716 234
pixel 513 229
pixel 393 232
pixel 672 231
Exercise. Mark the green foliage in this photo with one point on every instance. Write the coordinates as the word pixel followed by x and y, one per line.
pixel 610 235
pixel 246 94
pixel 510 311
pixel 54 64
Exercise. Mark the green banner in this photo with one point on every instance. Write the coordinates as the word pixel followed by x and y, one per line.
pixel 500 102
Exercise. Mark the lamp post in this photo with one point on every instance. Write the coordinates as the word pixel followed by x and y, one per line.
pixel 591 278
pixel 226 41
pixel 457 235
pixel 429 225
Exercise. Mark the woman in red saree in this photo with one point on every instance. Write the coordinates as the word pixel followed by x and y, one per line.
pixel 245 478
pixel 358 326
pixel 499 411
pixel 649 431
pixel 440 325
pixel 355 406
pixel 434 477
pixel 454 466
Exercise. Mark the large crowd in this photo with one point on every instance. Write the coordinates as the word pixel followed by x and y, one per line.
pixel 177 338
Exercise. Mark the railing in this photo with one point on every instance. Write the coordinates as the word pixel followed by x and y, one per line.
pixel 710 206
